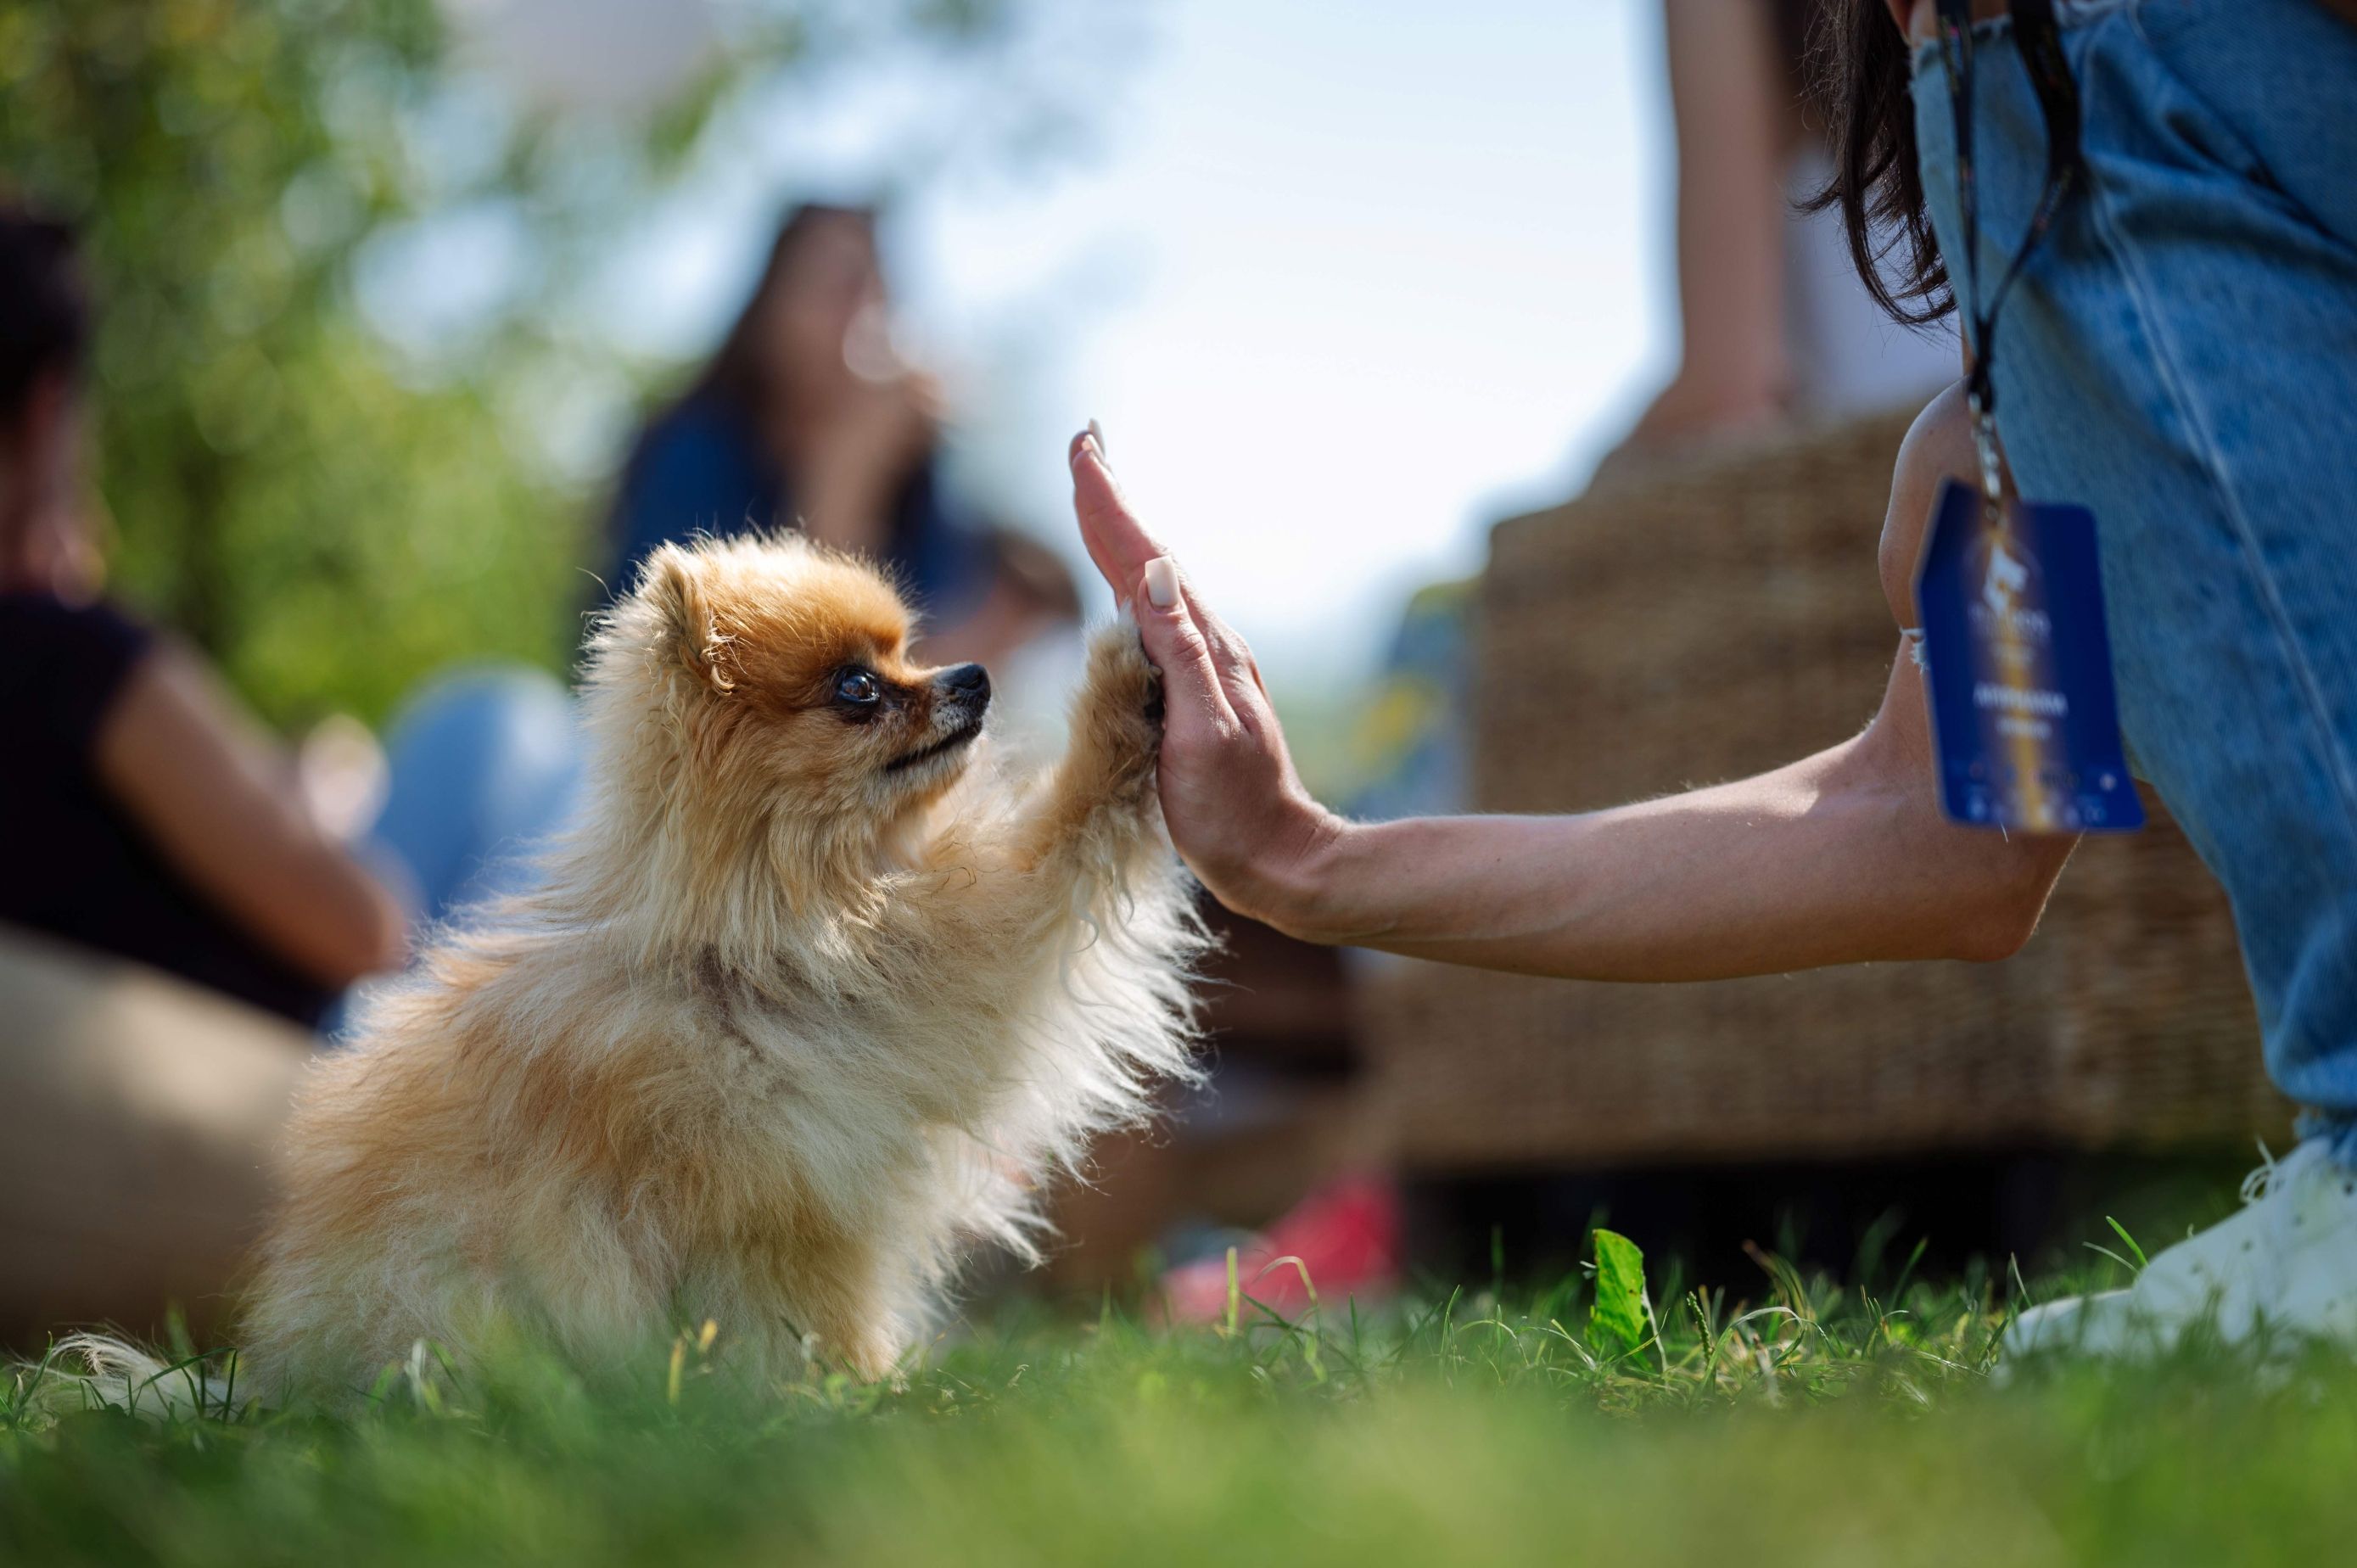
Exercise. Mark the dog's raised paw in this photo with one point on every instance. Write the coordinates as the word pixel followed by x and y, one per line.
pixel 1121 702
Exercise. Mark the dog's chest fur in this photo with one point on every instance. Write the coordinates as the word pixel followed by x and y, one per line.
pixel 771 1104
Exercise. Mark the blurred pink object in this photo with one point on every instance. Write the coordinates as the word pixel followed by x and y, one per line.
pixel 1345 1234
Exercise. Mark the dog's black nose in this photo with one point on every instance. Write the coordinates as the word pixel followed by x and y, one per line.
pixel 969 683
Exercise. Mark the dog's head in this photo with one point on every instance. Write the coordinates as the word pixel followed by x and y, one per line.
pixel 768 682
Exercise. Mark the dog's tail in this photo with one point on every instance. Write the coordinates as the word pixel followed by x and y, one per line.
pixel 98 1371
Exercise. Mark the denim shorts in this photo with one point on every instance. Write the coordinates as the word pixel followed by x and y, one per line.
pixel 2182 355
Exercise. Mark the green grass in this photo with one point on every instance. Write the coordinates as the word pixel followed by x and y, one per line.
pixel 1820 1425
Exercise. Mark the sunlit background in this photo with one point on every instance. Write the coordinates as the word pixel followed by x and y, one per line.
pixel 1340 287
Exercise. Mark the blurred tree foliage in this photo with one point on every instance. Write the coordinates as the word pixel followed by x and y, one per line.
pixel 327 533
pixel 329 520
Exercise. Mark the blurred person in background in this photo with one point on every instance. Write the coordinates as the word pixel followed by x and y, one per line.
pixel 145 814
pixel 807 417
pixel 1774 323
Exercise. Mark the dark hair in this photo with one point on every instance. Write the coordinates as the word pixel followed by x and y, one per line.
pixel 736 371
pixel 43 308
pixel 1859 77
pixel 1794 22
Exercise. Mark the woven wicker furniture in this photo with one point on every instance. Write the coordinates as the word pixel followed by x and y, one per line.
pixel 1712 621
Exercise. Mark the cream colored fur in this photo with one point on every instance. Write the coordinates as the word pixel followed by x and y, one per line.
pixel 786 1032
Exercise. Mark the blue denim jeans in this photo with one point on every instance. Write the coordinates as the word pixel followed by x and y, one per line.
pixel 2182 355
pixel 486 763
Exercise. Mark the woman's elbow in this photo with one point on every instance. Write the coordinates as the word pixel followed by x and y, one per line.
pixel 1962 893
pixel 1996 917
pixel 1991 936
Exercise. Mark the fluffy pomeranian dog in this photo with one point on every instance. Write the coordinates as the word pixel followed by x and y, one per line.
pixel 812 1001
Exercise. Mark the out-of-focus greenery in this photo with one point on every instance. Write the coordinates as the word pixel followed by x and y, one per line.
pixel 327 532
pixel 328 519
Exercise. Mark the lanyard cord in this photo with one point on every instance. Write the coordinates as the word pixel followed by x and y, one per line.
pixel 2041 45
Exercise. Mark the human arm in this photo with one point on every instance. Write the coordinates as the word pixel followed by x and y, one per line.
pixel 1734 127
pixel 226 811
pixel 859 454
pixel 1841 857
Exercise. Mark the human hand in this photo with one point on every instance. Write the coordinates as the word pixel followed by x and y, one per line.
pixel 861 451
pixel 343 776
pixel 1235 807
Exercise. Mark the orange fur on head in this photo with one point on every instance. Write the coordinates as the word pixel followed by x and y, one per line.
pixel 814 999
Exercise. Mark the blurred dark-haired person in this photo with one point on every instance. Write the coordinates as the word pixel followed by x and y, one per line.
pixel 2180 356
pixel 143 813
pixel 808 416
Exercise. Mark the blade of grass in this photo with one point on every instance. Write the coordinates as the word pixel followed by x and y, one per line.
pixel 2122 1232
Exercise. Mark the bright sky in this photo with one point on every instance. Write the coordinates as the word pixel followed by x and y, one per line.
pixel 1344 284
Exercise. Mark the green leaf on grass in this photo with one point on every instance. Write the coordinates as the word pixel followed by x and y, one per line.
pixel 1616 1324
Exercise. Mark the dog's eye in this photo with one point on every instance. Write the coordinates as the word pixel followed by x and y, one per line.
pixel 858 688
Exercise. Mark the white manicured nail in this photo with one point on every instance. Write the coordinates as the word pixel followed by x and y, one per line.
pixel 1096 434
pixel 1161 583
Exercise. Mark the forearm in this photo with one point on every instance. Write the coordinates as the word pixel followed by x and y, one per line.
pixel 1734 131
pixel 220 804
pixel 1827 861
pixel 847 512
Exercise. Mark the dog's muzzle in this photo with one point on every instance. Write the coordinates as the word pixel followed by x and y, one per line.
pixel 960 698
pixel 964 693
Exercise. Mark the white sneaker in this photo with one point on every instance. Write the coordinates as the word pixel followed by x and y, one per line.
pixel 2285 1265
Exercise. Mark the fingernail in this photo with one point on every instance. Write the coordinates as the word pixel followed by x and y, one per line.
pixel 1161 583
pixel 1096 435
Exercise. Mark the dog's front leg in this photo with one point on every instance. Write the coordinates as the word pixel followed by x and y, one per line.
pixel 1089 834
pixel 1098 816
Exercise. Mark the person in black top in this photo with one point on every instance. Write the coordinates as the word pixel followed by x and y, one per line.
pixel 142 812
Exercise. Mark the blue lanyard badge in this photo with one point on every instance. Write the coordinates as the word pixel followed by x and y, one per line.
pixel 2025 726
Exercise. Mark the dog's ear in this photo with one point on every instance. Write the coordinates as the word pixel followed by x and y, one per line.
pixel 687 628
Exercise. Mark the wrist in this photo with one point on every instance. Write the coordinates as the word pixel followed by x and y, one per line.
pixel 1298 888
